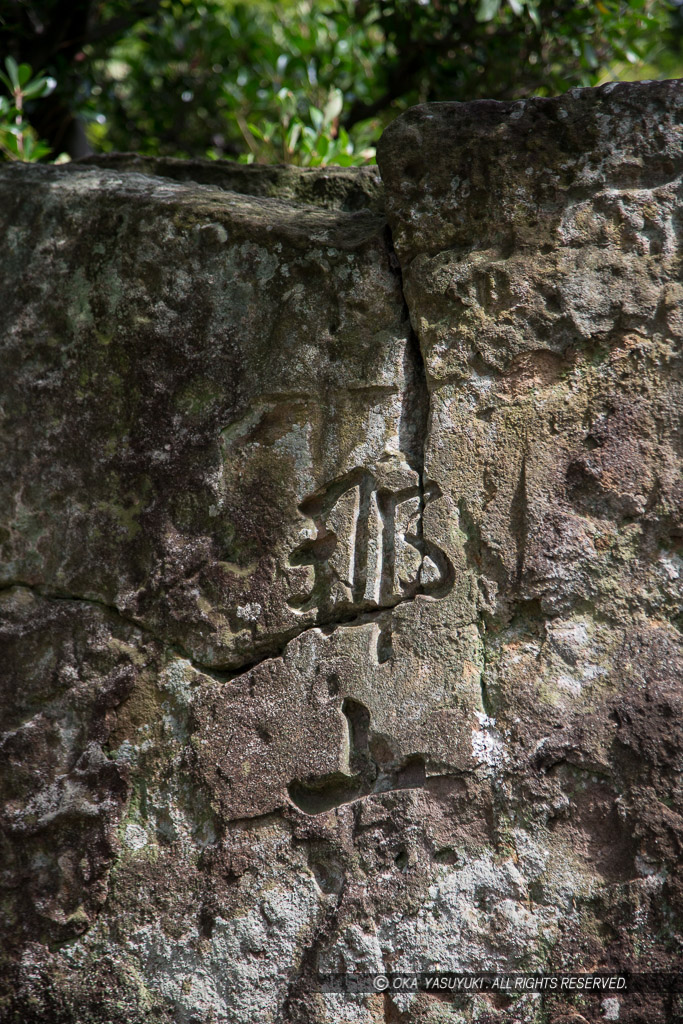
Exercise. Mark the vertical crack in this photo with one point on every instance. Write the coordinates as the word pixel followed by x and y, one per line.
pixel 519 521
pixel 486 702
pixel 413 423
pixel 415 408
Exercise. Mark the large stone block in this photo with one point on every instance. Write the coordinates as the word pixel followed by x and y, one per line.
pixel 341 570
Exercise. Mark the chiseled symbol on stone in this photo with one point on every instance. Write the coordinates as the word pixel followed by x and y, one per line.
pixel 367 547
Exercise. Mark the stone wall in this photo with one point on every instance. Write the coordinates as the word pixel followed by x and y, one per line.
pixel 341 579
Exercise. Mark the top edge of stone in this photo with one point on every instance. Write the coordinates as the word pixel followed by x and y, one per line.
pixel 277 215
pixel 487 160
pixel 348 189
pixel 579 97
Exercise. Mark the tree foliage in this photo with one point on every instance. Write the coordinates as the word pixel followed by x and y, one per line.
pixel 18 140
pixel 305 81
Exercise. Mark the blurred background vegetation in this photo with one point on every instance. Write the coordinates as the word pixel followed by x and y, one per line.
pixel 297 81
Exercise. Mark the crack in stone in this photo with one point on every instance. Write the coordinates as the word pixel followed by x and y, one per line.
pixel 219 673
pixel 486 701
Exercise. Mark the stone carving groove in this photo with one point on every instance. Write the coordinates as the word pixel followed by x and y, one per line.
pixel 367 547
pixel 363 773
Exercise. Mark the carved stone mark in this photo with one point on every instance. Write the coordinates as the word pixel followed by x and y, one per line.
pixel 370 769
pixel 368 550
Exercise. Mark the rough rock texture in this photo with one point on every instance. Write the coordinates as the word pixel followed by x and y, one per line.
pixel 341 587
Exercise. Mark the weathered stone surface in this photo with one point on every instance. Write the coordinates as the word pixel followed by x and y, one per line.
pixel 66 670
pixel 214 360
pixel 328 644
pixel 335 188
pixel 540 244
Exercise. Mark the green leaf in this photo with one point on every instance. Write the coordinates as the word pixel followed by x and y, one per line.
pixel 24 73
pixel 257 133
pixel 287 101
pixel 10 144
pixel 317 117
pixel 517 6
pixel 293 134
pixel 333 107
pixel 36 150
pixel 39 87
pixel 13 72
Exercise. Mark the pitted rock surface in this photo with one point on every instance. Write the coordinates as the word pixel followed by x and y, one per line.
pixel 341 575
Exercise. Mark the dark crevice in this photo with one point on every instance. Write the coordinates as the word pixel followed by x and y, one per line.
pixel 520 522
pixel 486 701
pixel 385 644
pixel 416 407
